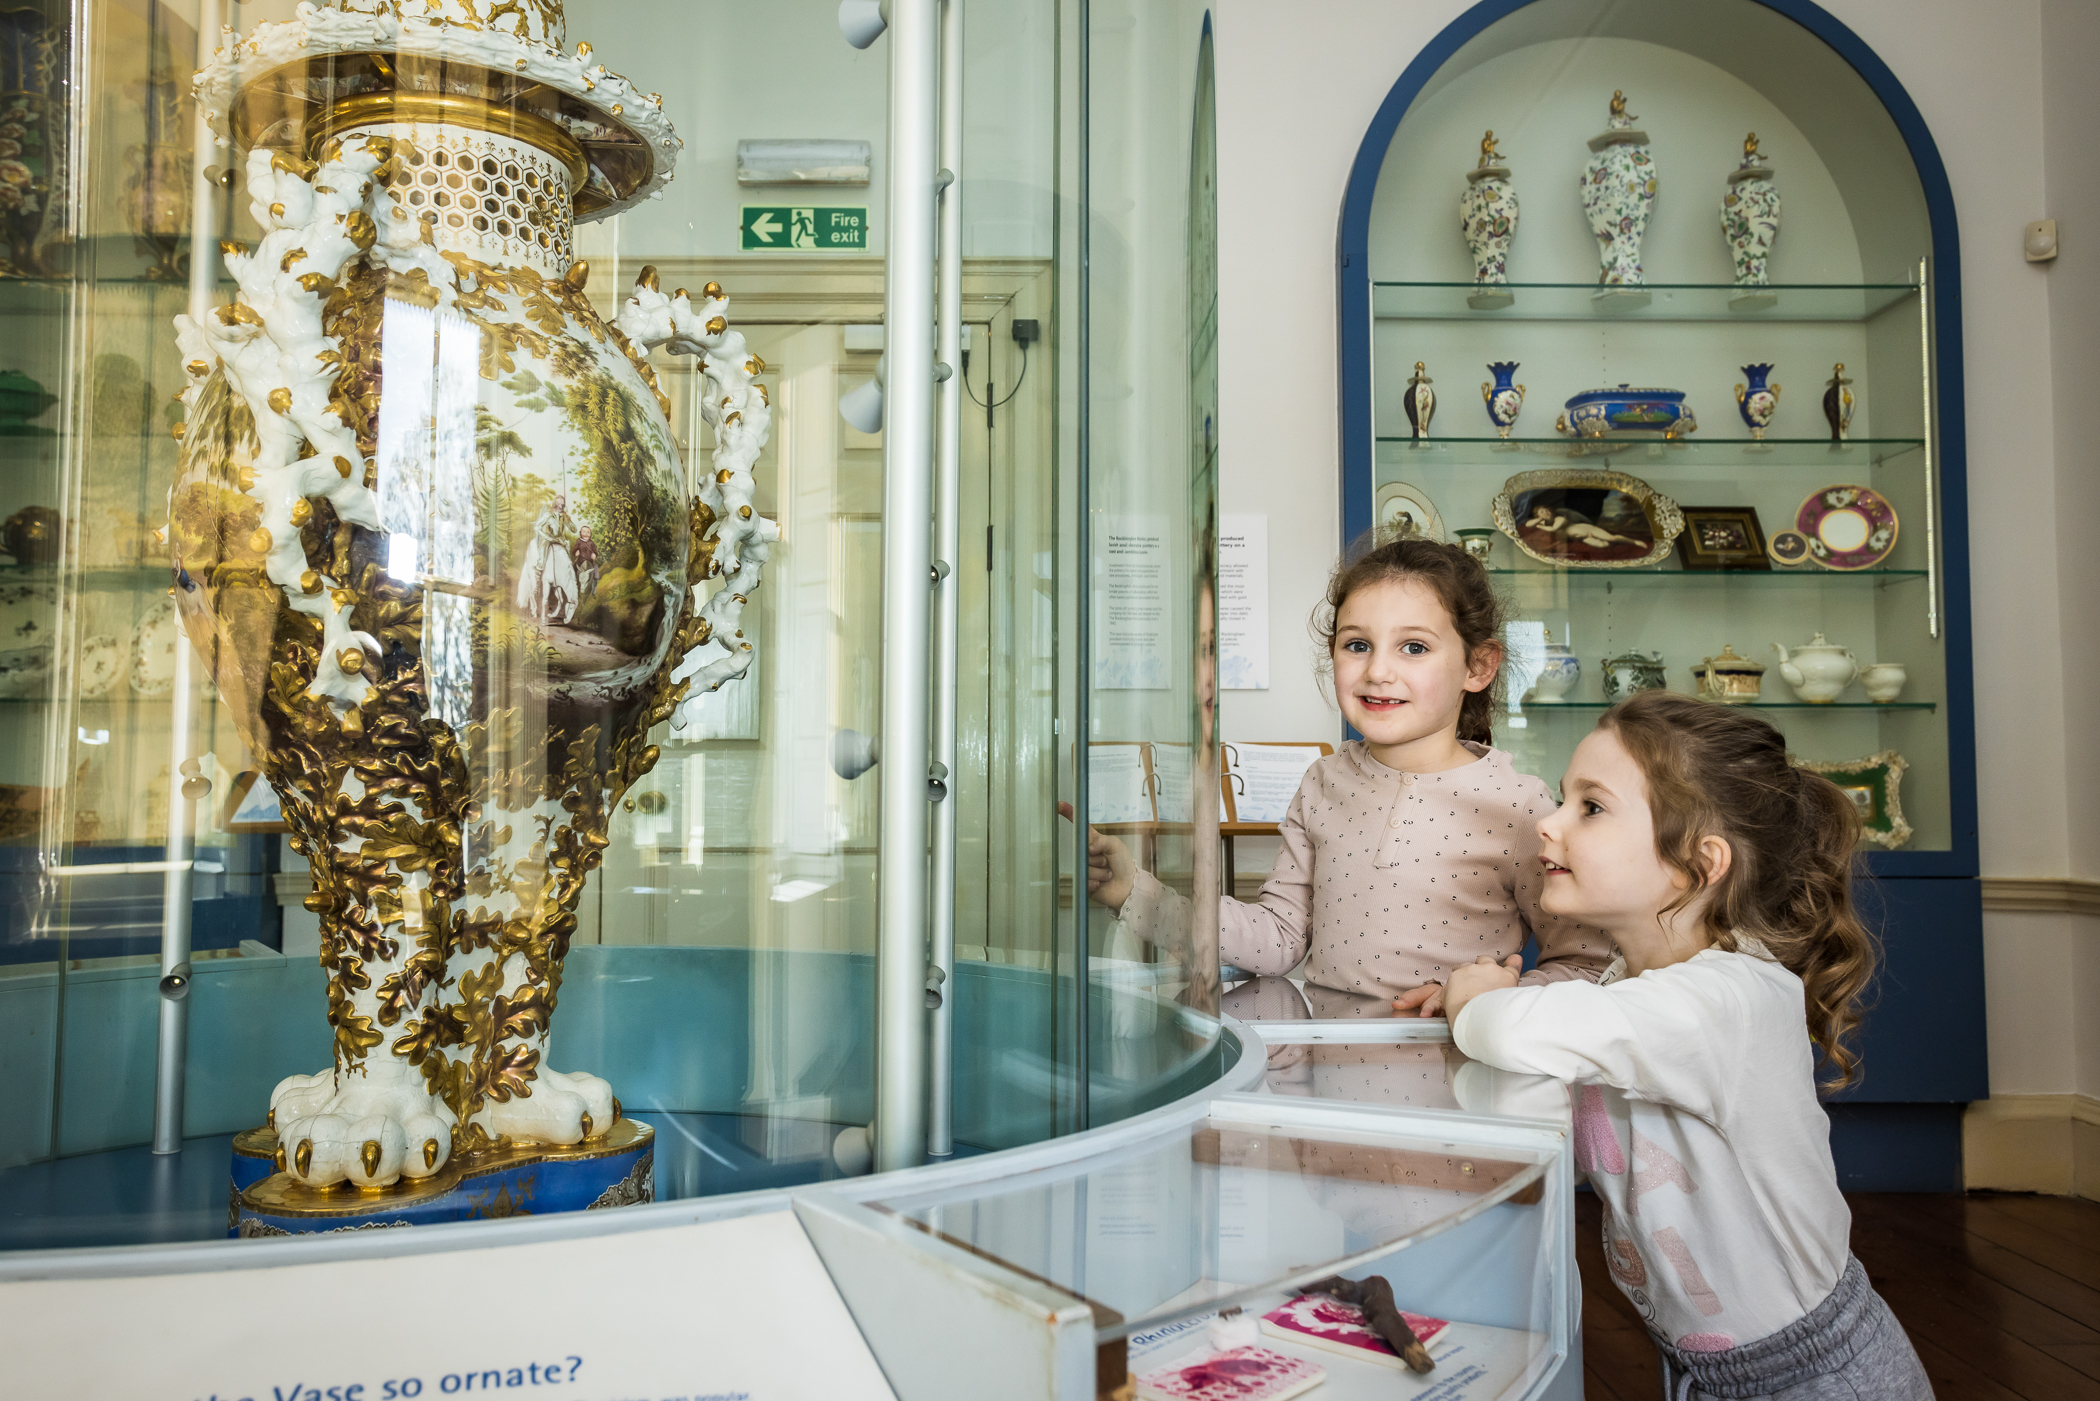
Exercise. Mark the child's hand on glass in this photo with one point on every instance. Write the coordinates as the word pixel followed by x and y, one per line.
pixel 1110 868
pixel 1483 974
pixel 1424 1001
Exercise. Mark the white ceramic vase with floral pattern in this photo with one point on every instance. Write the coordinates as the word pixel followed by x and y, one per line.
pixel 1750 223
pixel 1487 212
pixel 1618 196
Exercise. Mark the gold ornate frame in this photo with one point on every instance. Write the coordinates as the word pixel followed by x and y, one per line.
pixel 1665 518
pixel 1879 775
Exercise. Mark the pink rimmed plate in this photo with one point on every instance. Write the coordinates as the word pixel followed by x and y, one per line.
pixel 1847 527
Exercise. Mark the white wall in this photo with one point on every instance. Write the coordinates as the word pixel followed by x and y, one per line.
pixel 1298 85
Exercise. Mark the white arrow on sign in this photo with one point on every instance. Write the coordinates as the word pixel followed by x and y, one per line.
pixel 765 227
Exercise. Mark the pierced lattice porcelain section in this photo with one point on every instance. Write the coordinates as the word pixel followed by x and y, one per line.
pixel 489 196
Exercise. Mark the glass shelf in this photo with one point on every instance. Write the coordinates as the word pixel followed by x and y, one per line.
pixel 1675 453
pixel 1542 707
pixel 1667 301
pixel 1709 576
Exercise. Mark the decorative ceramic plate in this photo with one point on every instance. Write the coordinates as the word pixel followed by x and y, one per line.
pixel 1405 512
pixel 153 647
pixel 1847 527
pixel 101 665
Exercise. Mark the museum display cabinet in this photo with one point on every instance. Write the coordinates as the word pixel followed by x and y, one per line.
pixel 1700 261
pixel 547 629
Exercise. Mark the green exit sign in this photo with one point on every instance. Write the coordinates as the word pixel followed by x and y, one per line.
pixel 799 226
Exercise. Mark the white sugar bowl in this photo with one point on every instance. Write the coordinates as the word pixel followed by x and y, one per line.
pixel 1883 681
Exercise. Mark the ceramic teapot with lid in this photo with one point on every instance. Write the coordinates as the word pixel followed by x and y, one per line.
pixel 1817 670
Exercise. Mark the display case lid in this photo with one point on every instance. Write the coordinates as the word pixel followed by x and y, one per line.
pixel 1241 1199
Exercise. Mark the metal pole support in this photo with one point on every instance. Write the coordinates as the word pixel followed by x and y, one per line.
pixel 940 1129
pixel 907 496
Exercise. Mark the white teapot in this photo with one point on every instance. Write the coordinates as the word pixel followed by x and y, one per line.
pixel 1817 670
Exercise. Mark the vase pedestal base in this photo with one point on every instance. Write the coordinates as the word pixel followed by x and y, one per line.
pixel 617 1169
pixel 1618 298
pixel 1753 299
pixel 1491 299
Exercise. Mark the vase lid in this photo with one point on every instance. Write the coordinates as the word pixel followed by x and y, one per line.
pixel 292 84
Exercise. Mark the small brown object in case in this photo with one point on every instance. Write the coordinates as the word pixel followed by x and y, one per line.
pixel 1375 1297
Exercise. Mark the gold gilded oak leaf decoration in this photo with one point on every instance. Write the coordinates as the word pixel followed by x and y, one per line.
pixel 507 1073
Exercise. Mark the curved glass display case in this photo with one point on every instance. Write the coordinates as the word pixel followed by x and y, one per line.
pixel 474 627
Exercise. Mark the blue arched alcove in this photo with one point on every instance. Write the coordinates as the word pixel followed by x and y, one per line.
pixel 1862 160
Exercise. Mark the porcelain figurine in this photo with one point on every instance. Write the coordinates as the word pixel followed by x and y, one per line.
pixel 1750 223
pixel 1757 401
pixel 1557 677
pixel 1728 678
pixel 1633 671
pixel 446 630
pixel 1504 400
pixel 1883 681
pixel 1837 403
pixel 1421 401
pixel 1479 542
pixel 1618 196
pixel 1818 671
pixel 1487 212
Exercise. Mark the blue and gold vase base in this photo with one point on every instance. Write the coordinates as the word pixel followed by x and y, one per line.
pixel 617 1169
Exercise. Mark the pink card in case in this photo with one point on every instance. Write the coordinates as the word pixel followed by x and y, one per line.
pixel 1237 1374
pixel 1322 1321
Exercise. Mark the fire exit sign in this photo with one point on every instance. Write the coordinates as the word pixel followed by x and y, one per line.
pixel 785 226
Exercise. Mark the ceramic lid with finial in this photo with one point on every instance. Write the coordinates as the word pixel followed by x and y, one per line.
pixel 1621 131
pixel 1753 166
pixel 498 67
pixel 1728 662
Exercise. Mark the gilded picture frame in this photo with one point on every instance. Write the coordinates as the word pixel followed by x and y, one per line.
pixel 1585 518
pixel 1875 785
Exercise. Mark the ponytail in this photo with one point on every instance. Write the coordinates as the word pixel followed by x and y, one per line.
pixel 1716 771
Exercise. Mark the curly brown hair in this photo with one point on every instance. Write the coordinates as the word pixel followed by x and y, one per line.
pixel 1460 583
pixel 1716 771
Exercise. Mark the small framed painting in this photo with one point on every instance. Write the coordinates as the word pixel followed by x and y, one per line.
pixel 1874 784
pixel 1722 537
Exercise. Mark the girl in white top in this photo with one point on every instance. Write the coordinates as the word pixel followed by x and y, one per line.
pixel 1414 849
pixel 1723 872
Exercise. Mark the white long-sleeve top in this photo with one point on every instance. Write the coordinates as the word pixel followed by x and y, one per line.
pixel 1697 1123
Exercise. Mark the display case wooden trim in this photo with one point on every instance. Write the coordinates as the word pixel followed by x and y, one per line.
pixel 1356 315
pixel 2055 895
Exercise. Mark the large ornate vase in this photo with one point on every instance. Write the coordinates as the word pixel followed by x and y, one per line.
pixel 1618 196
pixel 433 542
pixel 1750 223
pixel 1487 213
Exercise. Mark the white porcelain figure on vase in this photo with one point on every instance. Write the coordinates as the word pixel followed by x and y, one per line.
pixel 1487 212
pixel 1750 223
pixel 1818 671
pixel 1618 196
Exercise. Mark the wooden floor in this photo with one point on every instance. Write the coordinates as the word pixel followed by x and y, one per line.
pixel 2000 1294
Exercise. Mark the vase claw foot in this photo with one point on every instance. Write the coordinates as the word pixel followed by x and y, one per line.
pixel 564 1108
pixel 369 1130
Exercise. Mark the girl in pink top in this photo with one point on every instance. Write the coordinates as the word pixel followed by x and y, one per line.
pixel 1414 850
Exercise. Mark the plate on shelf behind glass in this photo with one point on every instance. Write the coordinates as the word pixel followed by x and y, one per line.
pixel 101 665
pixel 1847 527
pixel 153 647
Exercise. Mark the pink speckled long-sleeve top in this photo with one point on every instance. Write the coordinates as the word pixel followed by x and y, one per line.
pixel 1388 880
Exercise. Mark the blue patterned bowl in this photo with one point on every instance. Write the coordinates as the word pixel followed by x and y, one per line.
pixel 1626 412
